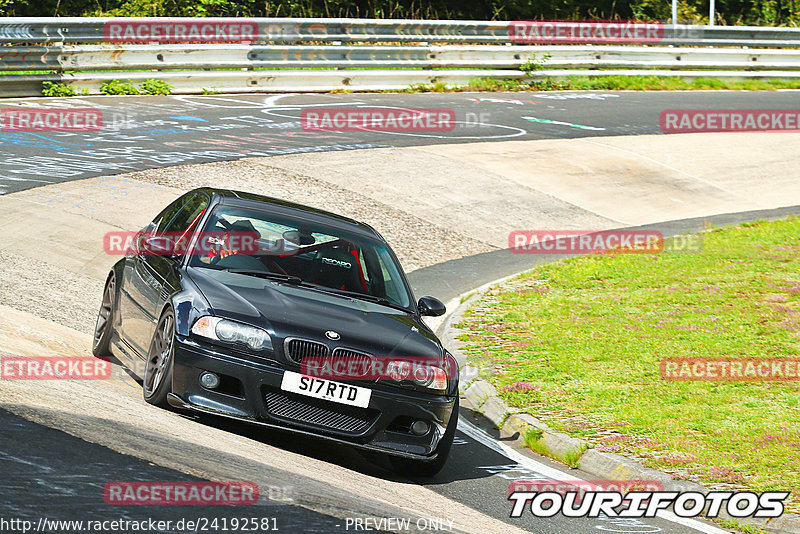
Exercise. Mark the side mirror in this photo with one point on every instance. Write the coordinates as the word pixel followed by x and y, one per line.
pixel 431 306
pixel 159 246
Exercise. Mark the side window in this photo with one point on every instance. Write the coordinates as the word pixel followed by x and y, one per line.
pixel 389 283
pixel 178 220
pixel 159 223
pixel 393 283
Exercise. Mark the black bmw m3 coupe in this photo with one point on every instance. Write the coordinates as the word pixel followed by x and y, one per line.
pixel 285 316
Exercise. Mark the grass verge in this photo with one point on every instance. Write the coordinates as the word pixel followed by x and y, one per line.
pixel 577 83
pixel 607 83
pixel 578 344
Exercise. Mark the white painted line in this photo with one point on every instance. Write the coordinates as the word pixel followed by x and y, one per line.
pixel 5 178
pixel 485 439
pixel 560 123
pixel 529 463
pixel 272 102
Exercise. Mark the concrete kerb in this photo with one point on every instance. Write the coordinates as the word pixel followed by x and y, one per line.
pixel 443 326
pixel 528 431
pixel 482 396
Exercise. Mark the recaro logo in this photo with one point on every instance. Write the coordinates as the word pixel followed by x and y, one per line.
pixel 338 263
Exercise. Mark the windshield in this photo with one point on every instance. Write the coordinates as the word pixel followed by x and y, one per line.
pixel 242 239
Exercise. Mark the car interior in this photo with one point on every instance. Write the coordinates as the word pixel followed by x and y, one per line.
pixel 314 257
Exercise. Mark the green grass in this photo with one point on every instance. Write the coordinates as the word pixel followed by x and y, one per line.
pixel 572 83
pixel 578 344
pixel 21 73
pixel 609 83
pixel 740 527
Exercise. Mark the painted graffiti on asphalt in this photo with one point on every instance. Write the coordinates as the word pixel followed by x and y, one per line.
pixel 183 130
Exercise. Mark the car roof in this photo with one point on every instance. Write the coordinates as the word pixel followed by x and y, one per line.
pixel 285 207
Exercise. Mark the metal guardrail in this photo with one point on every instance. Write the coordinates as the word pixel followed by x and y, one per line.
pixel 287 30
pixel 149 57
pixel 348 52
pixel 74 30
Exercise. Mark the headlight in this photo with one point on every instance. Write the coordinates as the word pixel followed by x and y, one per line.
pixel 232 332
pixel 418 372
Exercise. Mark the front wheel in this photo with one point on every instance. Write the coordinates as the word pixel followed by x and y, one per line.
pixel 158 368
pixel 417 468
pixel 101 345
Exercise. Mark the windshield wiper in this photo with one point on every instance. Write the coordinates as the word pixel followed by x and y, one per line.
pixel 365 296
pixel 279 277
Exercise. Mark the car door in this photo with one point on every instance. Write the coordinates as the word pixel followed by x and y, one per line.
pixel 145 276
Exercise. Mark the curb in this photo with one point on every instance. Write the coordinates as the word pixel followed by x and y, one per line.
pixel 530 432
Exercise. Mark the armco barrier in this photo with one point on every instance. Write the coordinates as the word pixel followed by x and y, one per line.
pixel 192 56
pixel 349 53
pixel 298 30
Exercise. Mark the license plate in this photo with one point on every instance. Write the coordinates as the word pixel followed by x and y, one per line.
pixel 328 390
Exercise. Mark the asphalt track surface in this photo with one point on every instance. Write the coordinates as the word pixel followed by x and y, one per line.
pixel 51 476
pixel 47 472
pixel 148 132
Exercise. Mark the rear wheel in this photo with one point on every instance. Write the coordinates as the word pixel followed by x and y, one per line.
pixel 158 368
pixel 105 318
pixel 417 468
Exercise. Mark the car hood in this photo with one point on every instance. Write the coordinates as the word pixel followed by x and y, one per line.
pixel 286 310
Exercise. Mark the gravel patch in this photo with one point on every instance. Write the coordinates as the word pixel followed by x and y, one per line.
pixel 40 288
pixel 417 243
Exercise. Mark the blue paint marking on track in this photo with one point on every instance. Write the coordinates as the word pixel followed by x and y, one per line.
pixel 187 118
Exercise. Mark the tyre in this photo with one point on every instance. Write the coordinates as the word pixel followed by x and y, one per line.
pixel 101 346
pixel 420 469
pixel 157 383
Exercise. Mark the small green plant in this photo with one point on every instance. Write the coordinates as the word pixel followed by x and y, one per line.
pixel 155 87
pixel 116 87
pixel 435 87
pixel 60 89
pixel 467 297
pixel 417 88
pixel 211 91
pixel 532 436
pixel 573 458
pixel 533 440
pixel 740 527
pixel 534 64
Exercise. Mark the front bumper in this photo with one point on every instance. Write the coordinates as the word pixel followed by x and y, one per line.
pixel 252 394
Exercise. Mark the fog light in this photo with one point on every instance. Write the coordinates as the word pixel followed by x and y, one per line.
pixel 209 380
pixel 420 428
